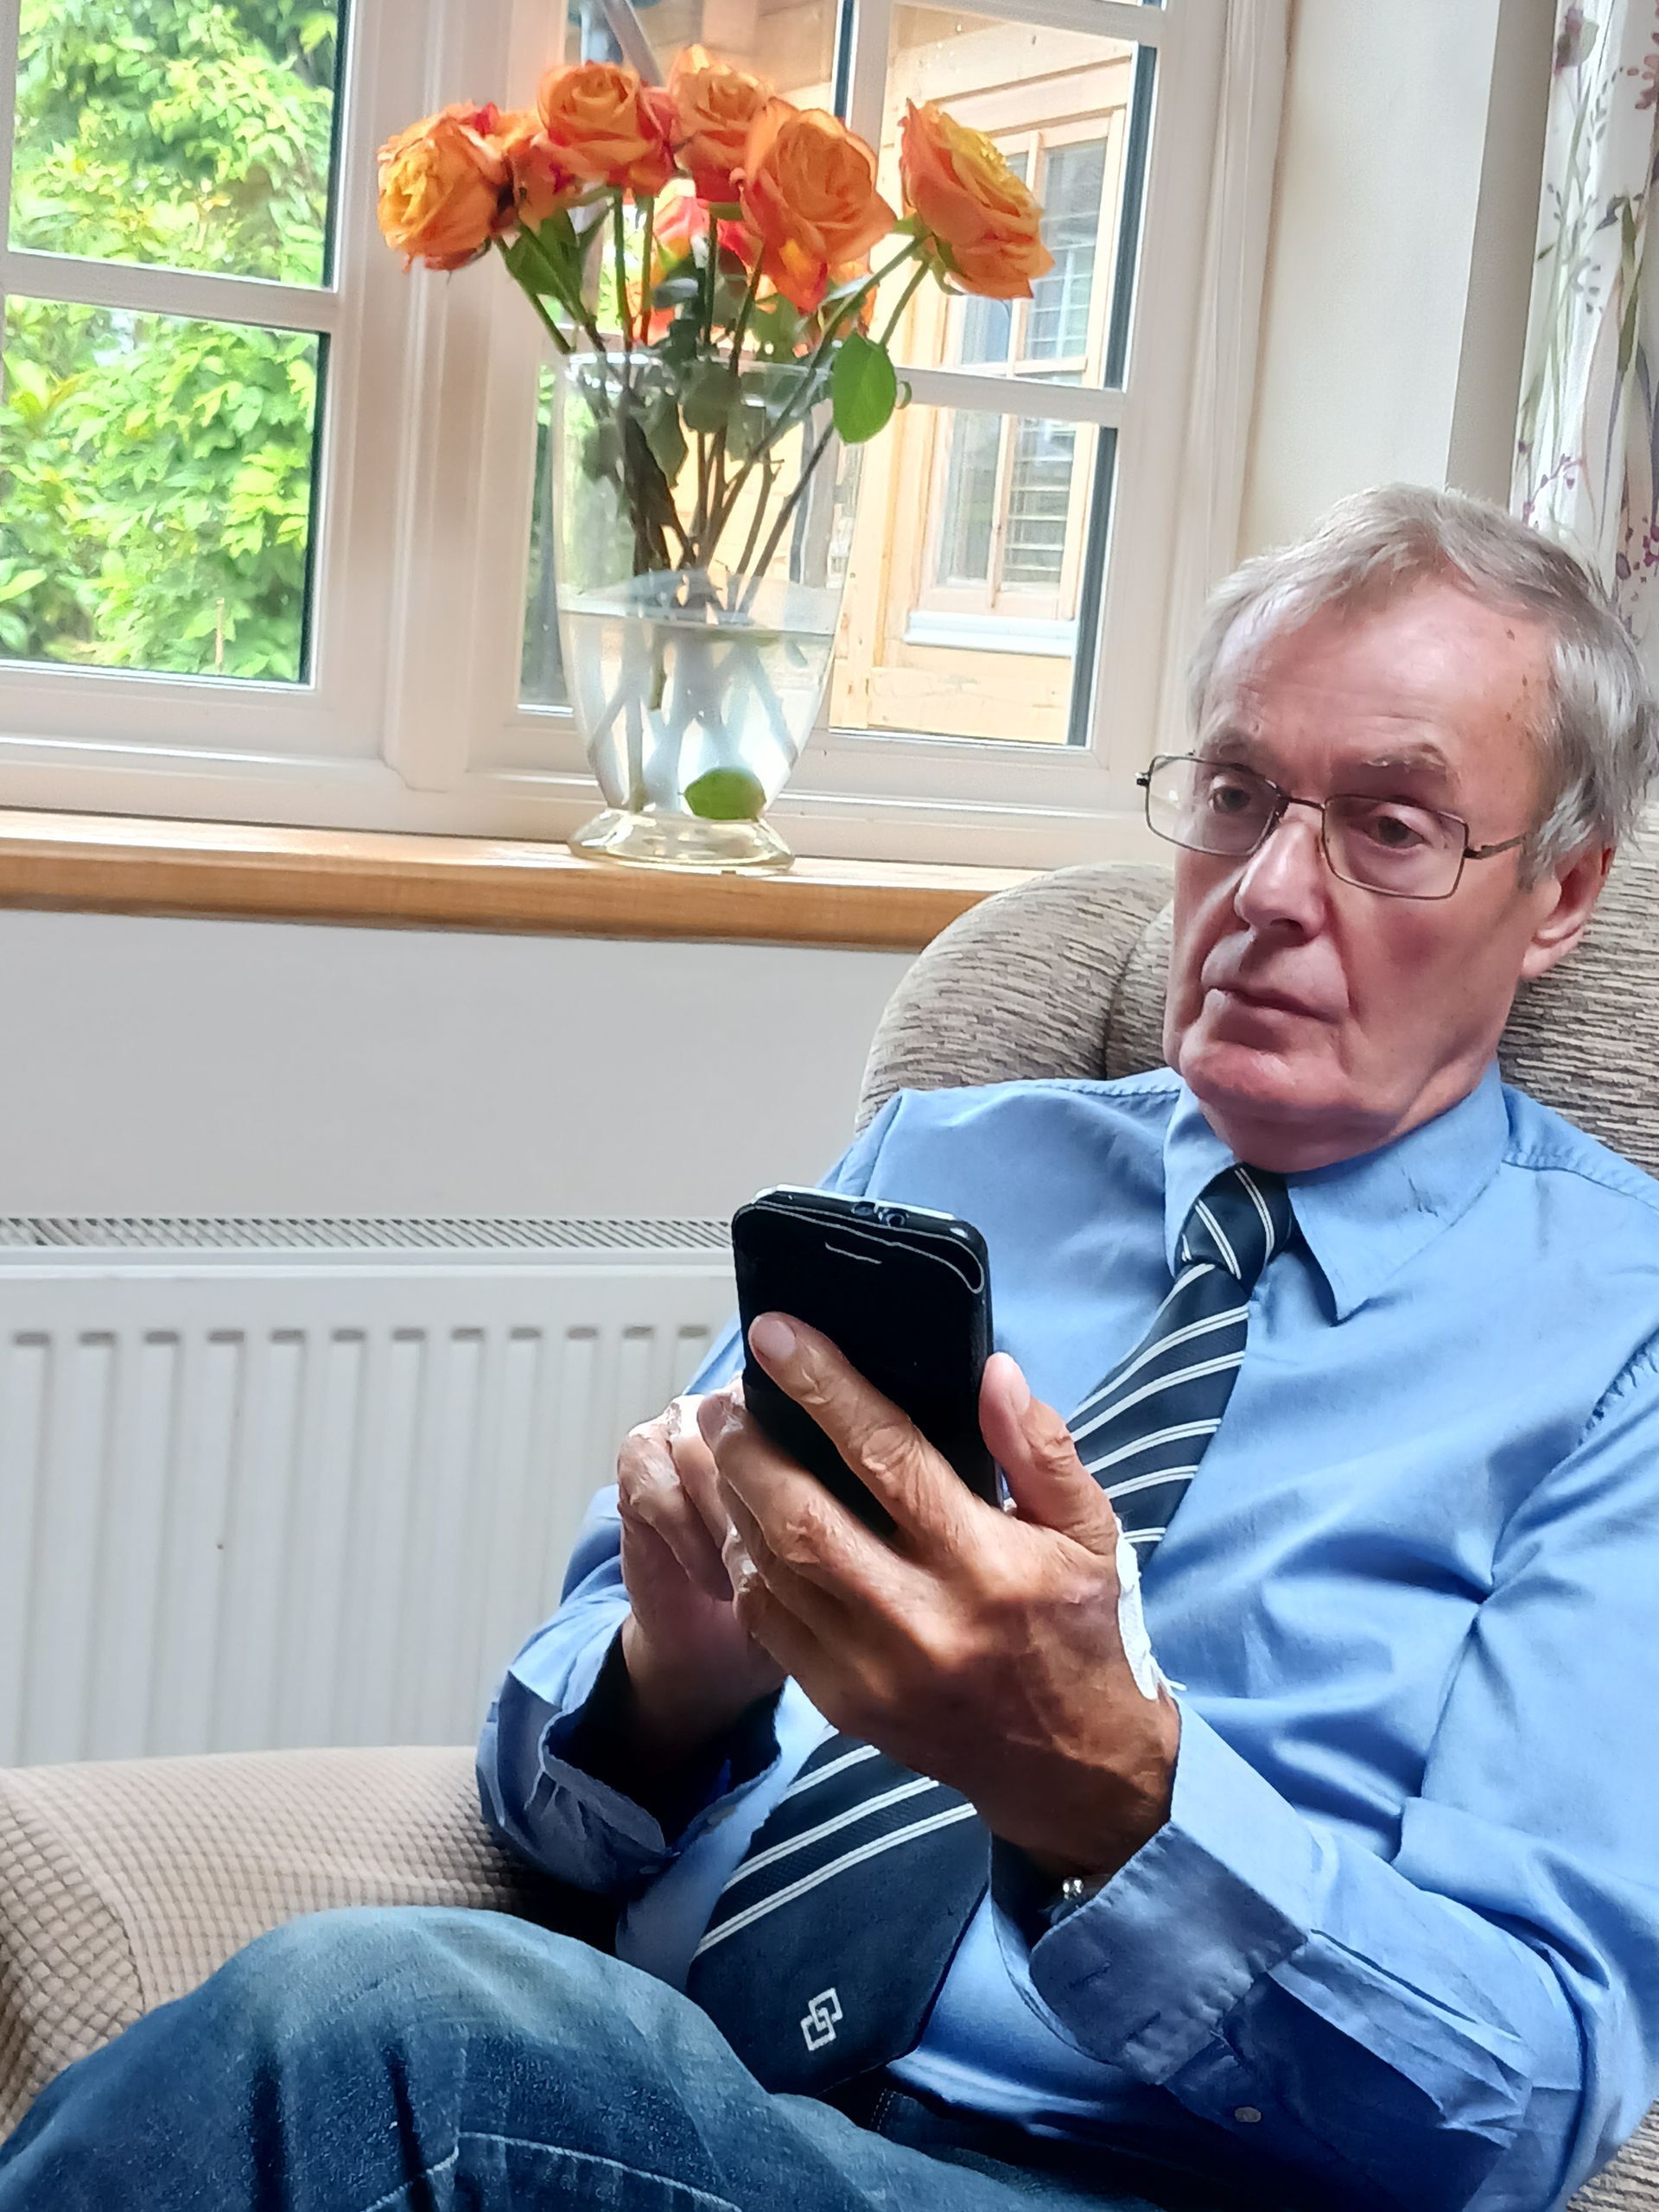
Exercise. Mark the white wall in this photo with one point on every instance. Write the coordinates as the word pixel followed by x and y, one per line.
pixel 1405 209
pixel 156 1066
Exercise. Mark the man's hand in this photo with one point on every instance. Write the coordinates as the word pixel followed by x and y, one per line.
pixel 693 1666
pixel 979 1647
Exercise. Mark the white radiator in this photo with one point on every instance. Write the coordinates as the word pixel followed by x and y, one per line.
pixel 266 1484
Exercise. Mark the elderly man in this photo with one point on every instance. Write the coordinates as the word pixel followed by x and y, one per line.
pixel 1350 1896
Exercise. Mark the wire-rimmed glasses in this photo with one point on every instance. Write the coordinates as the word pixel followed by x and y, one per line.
pixel 1390 846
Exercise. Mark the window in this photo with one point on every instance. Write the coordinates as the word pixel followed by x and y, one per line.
pixel 272 516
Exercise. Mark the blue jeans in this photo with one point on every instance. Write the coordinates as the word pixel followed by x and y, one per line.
pixel 427 2061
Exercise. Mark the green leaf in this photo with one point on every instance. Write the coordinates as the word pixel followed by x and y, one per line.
pixel 863 389
pixel 726 795
pixel 707 398
pixel 666 438
pixel 25 581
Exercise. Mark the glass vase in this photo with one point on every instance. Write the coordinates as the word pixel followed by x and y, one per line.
pixel 701 522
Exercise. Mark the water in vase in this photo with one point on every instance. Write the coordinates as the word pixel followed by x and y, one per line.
pixel 696 691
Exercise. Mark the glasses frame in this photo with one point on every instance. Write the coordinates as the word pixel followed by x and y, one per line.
pixel 1284 800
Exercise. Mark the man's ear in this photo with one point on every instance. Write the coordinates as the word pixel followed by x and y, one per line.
pixel 1576 886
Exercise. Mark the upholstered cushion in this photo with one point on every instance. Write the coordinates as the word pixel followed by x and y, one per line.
pixel 123 1885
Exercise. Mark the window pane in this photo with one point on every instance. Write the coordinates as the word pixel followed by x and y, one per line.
pixel 1058 329
pixel 1040 494
pixel 156 492
pixel 190 137
pixel 969 499
pixel 1057 103
pixel 542 674
pixel 931 641
pixel 793 45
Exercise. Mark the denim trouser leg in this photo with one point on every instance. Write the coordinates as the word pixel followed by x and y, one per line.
pixel 426 2061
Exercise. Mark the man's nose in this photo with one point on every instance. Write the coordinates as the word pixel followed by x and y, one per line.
pixel 1285 879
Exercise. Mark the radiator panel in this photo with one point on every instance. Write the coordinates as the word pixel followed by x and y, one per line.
pixel 247 1506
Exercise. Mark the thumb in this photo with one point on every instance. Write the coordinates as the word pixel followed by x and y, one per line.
pixel 1034 1447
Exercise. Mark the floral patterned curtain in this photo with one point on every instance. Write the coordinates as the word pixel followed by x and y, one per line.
pixel 1587 453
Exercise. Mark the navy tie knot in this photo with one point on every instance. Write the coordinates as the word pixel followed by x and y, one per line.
pixel 1240 1221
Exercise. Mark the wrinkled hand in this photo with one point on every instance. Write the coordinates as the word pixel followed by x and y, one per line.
pixel 693 1665
pixel 979 1647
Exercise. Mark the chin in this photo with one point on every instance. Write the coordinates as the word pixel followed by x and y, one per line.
pixel 1249 1093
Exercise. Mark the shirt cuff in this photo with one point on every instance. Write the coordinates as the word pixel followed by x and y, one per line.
pixel 613 1829
pixel 1141 1974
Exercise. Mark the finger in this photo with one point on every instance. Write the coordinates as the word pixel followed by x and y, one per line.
pixel 1034 1449
pixel 806 1527
pixel 929 1503
pixel 650 1493
pixel 694 1463
pixel 748 1552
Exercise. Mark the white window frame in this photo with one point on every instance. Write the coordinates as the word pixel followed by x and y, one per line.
pixel 412 718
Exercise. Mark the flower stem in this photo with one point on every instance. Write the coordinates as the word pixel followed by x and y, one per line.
pixel 905 299
pixel 534 299
pixel 623 316
pixel 809 468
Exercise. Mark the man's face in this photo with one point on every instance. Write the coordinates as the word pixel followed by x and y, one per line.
pixel 1315 1020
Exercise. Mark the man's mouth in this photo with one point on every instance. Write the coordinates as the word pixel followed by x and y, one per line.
pixel 1262 998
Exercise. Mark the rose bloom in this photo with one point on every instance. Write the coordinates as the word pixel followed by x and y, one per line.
pixel 445 188
pixel 541 183
pixel 976 208
pixel 715 109
pixel 604 126
pixel 808 193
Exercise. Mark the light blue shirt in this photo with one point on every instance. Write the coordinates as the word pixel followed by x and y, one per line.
pixel 1399 1940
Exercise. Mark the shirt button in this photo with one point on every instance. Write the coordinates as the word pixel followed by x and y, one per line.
pixel 1247 2114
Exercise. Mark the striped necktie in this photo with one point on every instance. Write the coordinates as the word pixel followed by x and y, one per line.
pixel 828 1946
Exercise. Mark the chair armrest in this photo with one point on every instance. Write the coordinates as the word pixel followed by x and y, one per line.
pixel 1631 2182
pixel 125 1885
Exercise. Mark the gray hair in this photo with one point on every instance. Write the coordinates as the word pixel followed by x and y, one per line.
pixel 1600 733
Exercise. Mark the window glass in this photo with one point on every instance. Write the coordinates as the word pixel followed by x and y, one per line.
pixel 966 575
pixel 976 450
pixel 1056 327
pixel 156 492
pixel 188 134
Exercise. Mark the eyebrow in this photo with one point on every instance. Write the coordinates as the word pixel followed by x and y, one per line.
pixel 1410 757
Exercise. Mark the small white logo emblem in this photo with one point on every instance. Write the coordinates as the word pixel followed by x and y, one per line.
pixel 819 2025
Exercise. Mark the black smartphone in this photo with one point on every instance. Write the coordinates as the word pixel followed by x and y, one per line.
pixel 903 1292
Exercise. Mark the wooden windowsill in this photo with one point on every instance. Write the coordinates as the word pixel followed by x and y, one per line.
pixel 122 864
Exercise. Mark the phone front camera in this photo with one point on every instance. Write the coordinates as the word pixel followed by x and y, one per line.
pixel 890 1216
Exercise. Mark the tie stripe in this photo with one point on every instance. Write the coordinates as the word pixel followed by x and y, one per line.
pixel 950 1816
pixel 888 1936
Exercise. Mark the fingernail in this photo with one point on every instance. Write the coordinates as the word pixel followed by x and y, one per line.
pixel 711 1416
pixel 771 1340
pixel 1018 1389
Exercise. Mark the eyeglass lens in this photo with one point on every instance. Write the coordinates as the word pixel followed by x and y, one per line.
pixel 1389 845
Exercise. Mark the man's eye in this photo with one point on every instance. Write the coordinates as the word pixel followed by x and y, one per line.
pixel 1397 829
pixel 1228 797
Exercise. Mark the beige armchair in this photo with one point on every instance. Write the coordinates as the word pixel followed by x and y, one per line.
pixel 123 1885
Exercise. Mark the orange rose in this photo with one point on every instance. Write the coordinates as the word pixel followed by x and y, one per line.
pixel 445 188
pixel 542 185
pixel 981 215
pixel 808 190
pixel 603 125
pixel 715 109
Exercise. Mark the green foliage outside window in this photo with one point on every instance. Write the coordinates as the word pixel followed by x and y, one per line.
pixel 156 473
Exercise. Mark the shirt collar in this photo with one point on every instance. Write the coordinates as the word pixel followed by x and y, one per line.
pixel 1362 1219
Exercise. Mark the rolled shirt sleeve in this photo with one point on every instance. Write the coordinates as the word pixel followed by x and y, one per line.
pixel 1458 2024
